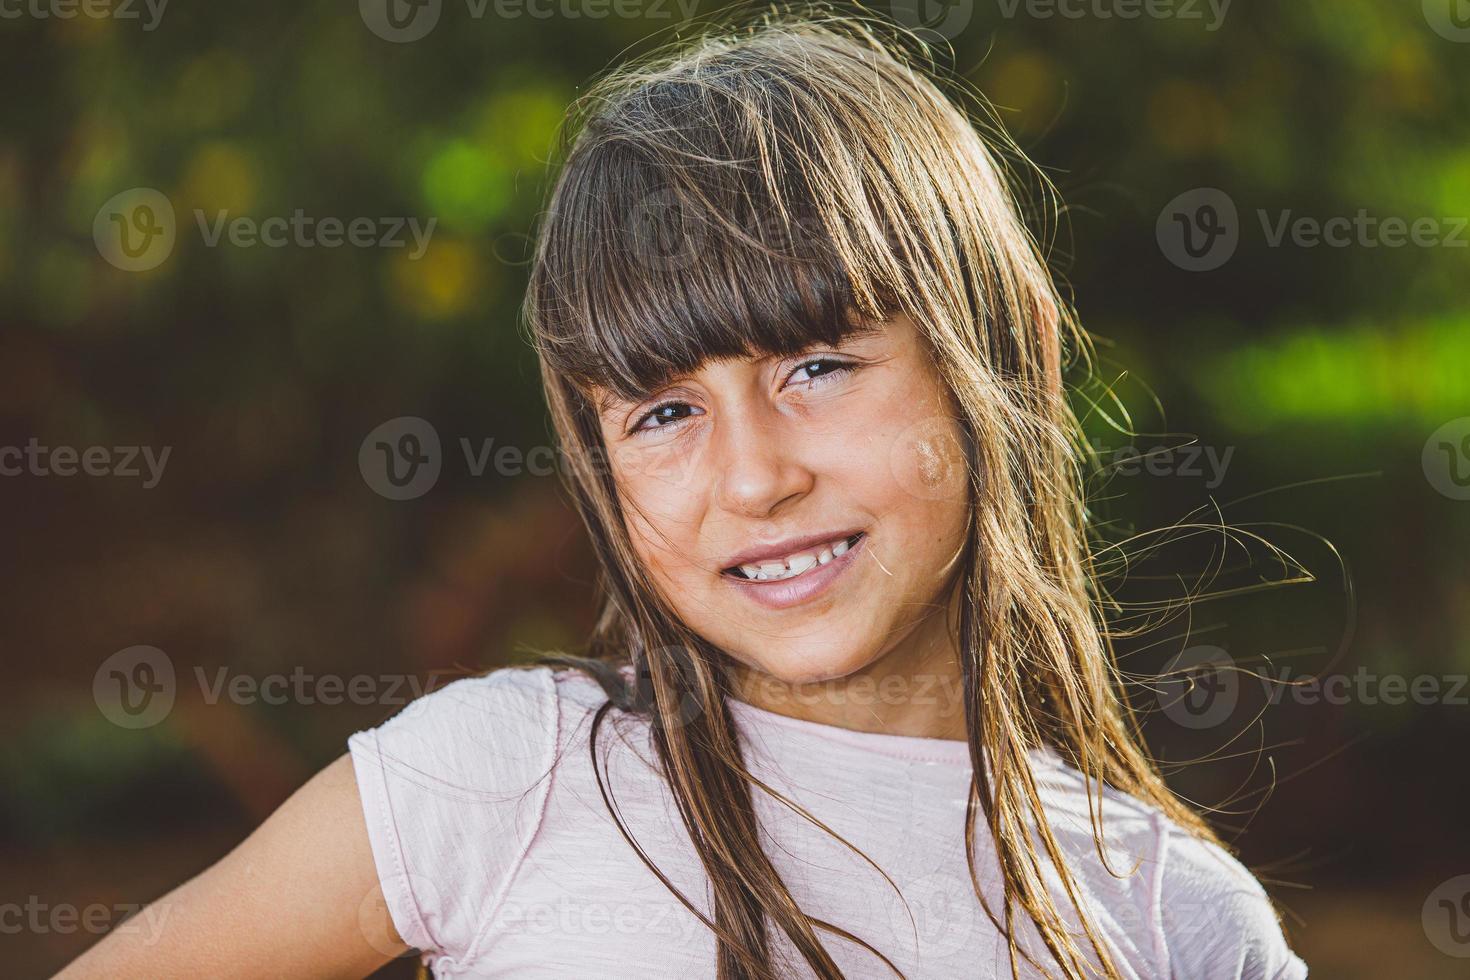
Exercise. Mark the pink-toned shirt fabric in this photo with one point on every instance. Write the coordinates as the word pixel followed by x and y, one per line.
pixel 494 863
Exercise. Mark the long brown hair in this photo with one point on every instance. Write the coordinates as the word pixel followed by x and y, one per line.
pixel 748 192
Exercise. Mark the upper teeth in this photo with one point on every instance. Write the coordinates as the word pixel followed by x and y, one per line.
pixel 793 565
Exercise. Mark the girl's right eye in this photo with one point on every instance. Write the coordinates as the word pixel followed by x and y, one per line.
pixel 663 416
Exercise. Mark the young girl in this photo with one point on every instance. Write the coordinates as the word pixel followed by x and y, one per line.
pixel 849 710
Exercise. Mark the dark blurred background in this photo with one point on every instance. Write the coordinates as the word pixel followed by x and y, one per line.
pixel 188 636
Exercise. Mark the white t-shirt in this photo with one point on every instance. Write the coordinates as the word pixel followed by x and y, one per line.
pixel 496 864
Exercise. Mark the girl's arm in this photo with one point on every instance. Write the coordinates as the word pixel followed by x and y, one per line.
pixel 299 897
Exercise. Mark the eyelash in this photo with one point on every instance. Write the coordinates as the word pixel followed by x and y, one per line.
pixel 840 367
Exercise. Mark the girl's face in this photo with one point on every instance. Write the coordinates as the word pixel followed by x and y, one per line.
pixel 835 477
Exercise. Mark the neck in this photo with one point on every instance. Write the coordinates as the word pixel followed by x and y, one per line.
pixel 914 688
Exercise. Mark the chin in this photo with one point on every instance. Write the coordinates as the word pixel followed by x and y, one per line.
pixel 824 663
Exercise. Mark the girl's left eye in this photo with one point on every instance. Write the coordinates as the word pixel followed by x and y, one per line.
pixel 825 367
pixel 665 416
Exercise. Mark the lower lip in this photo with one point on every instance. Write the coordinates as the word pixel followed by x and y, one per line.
pixel 794 591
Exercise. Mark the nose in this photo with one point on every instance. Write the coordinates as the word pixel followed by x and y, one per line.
pixel 757 464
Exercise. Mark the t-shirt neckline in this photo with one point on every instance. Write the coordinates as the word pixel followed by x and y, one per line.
pixel 911 748
pixel 914 748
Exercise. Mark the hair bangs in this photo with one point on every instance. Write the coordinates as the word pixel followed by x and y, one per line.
pixel 688 228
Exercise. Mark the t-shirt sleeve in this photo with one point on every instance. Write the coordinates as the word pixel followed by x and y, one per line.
pixel 453 789
pixel 1216 922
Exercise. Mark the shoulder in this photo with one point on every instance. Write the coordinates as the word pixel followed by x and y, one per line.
pixel 1195 908
pixel 453 789
pixel 1217 920
pixel 468 730
pixel 493 731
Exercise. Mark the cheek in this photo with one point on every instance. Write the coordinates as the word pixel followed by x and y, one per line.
pixel 924 498
pixel 913 475
pixel 927 460
pixel 662 521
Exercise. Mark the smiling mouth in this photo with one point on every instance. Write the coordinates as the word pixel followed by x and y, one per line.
pixel 794 565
